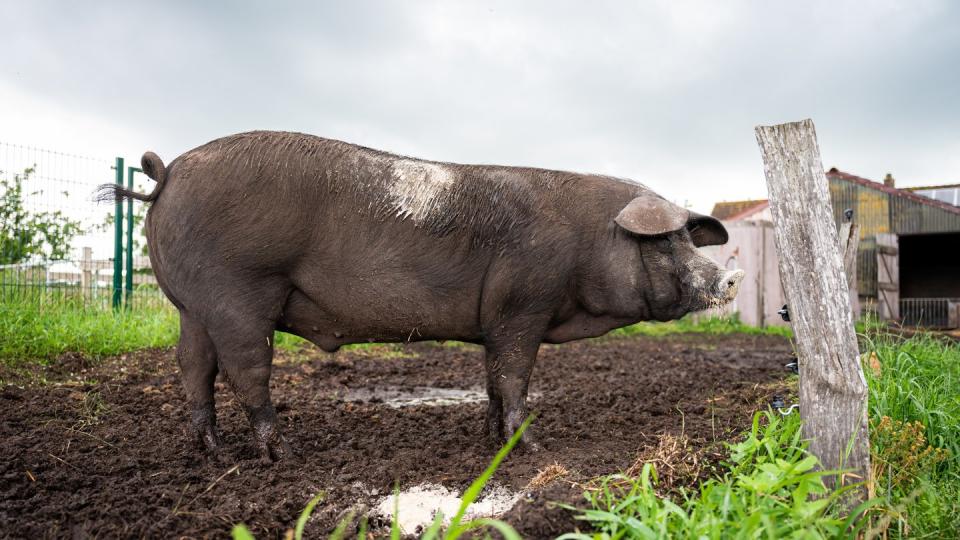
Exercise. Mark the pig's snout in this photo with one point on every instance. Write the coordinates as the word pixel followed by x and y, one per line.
pixel 729 285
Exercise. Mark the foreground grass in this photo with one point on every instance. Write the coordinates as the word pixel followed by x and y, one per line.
pixel 915 431
pixel 763 490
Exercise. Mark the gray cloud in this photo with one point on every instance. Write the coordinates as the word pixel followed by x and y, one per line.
pixel 664 92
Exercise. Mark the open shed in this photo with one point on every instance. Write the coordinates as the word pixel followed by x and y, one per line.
pixel 908 266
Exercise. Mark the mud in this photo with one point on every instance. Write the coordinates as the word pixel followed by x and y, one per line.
pixel 97 448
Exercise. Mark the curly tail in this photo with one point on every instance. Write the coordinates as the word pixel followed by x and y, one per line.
pixel 152 166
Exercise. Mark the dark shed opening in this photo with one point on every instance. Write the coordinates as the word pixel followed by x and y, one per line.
pixel 930 279
pixel 930 265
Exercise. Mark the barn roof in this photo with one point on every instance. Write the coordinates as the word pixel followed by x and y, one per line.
pixel 896 192
pixel 939 186
pixel 733 210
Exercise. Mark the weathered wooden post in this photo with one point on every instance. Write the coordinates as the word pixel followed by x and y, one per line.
pixel 833 391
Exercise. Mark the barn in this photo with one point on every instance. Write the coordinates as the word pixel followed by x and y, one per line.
pixel 908 267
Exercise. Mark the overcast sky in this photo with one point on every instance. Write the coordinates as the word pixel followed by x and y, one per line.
pixel 666 92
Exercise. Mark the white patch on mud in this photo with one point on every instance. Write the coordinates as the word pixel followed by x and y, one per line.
pixel 419 189
pixel 397 397
pixel 418 506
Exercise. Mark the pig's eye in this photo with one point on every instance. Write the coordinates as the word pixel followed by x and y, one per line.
pixel 663 245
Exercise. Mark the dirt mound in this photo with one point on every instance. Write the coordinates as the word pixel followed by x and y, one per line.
pixel 104 453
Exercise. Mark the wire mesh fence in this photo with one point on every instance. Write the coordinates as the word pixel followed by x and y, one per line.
pixel 930 312
pixel 56 243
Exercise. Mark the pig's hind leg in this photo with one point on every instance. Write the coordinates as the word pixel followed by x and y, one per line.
pixel 244 342
pixel 197 358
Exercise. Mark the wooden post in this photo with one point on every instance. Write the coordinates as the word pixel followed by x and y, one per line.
pixel 833 391
pixel 849 244
pixel 86 272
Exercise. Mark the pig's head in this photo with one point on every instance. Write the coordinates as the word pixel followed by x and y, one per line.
pixel 655 258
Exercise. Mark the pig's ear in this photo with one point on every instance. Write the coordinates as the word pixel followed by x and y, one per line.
pixel 706 230
pixel 650 215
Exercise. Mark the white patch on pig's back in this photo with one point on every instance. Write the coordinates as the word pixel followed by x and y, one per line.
pixel 419 189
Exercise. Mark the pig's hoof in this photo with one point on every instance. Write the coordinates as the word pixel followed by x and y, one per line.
pixel 203 425
pixel 276 450
pixel 270 443
pixel 493 430
pixel 213 447
pixel 527 443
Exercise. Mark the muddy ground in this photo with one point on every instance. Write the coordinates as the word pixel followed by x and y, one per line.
pixel 98 449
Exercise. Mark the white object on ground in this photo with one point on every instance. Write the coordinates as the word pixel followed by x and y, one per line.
pixel 418 506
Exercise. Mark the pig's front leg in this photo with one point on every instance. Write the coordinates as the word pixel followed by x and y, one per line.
pixel 509 364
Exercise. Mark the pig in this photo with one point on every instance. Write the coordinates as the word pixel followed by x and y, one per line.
pixel 339 243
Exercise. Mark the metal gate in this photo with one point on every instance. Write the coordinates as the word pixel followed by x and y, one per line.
pixel 930 312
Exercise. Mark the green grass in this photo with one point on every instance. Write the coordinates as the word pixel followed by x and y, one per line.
pixel 917 388
pixel 762 491
pixel 704 325
pixel 40 331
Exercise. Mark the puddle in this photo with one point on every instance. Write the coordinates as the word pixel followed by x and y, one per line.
pixel 418 506
pixel 398 397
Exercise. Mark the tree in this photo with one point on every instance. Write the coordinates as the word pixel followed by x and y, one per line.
pixel 26 233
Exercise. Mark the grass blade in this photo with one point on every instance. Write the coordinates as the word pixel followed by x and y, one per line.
pixel 472 492
pixel 305 515
pixel 241 532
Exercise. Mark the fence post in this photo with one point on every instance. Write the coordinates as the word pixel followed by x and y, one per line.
pixel 128 285
pixel 849 246
pixel 118 241
pixel 86 273
pixel 833 391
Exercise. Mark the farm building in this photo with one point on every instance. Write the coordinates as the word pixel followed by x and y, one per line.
pixel 909 259
pixel 948 193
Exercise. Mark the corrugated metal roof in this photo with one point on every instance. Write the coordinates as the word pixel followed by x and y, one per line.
pixel 902 193
pixel 939 186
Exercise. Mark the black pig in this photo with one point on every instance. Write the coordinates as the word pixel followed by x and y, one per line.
pixel 340 244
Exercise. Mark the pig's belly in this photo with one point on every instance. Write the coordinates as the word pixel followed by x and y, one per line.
pixel 583 325
pixel 344 317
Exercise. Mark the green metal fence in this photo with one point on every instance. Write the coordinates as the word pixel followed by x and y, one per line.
pixel 58 244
